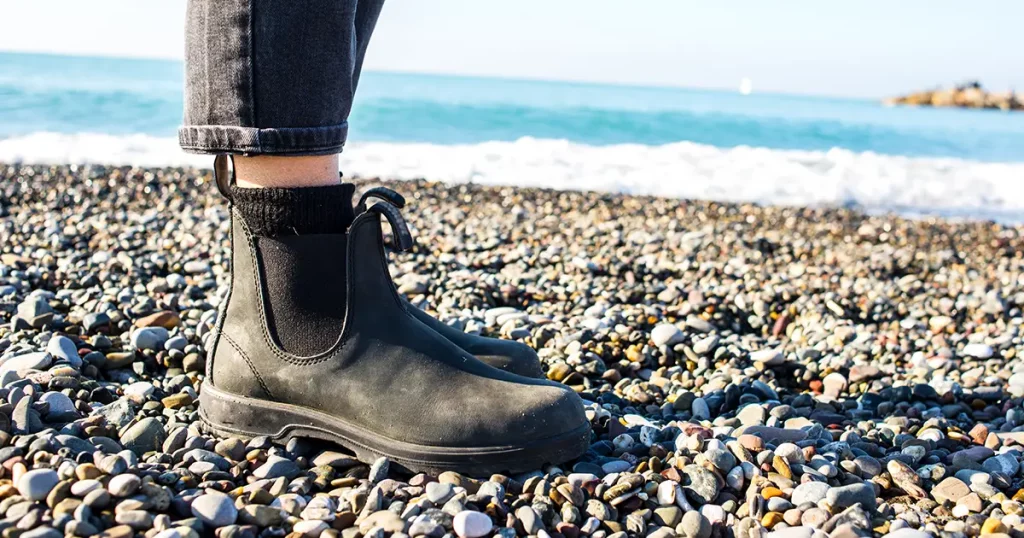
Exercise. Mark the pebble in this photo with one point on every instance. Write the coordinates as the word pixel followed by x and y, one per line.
pixel 61 407
pixel 695 525
pixel 666 335
pixel 124 485
pixel 747 369
pixel 978 351
pixel 277 467
pixel 951 489
pixel 214 510
pixel 809 492
pixel 847 496
pixel 471 524
pixel 146 435
pixel 28 361
pixel 62 348
pixel 908 533
pixel 439 493
pixel 150 338
pixel 36 484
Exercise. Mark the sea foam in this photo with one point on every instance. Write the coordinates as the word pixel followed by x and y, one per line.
pixel 875 182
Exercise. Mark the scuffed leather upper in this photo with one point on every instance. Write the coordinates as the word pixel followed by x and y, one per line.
pixel 507 355
pixel 388 372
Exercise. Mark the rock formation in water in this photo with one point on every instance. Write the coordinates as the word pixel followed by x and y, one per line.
pixel 968 95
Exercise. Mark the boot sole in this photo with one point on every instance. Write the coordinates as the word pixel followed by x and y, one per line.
pixel 230 415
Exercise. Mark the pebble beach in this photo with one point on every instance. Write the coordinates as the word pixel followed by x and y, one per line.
pixel 749 371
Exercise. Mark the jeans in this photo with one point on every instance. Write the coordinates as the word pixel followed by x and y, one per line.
pixel 272 77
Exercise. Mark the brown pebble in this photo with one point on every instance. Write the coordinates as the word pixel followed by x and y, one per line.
pixel 165 319
pixel 751 442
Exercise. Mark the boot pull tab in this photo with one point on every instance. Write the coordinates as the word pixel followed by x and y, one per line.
pixel 382 193
pixel 224 174
pixel 403 238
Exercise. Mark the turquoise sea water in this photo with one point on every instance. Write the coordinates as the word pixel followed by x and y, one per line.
pixel 769 148
pixel 119 96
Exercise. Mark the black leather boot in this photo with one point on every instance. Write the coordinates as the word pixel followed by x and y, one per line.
pixel 508 355
pixel 386 384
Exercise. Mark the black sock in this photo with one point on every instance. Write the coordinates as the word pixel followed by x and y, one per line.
pixel 304 210
pixel 300 244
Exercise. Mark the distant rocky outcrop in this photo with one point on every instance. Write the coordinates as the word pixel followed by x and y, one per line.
pixel 968 95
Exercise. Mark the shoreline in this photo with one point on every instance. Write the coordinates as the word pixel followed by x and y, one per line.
pixel 908 186
pixel 799 371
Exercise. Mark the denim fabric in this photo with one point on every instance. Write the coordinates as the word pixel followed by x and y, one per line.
pixel 272 77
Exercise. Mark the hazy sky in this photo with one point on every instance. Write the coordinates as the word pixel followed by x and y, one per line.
pixel 866 48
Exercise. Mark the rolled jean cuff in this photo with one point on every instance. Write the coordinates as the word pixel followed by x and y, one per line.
pixel 216 139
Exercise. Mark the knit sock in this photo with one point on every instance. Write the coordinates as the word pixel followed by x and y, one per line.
pixel 301 245
pixel 305 210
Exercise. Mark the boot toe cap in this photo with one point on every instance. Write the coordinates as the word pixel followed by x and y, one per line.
pixel 543 413
pixel 511 356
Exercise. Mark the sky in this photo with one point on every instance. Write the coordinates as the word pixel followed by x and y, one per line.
pixel 869 48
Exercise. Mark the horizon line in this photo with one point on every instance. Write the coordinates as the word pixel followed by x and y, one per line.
pixel 508 78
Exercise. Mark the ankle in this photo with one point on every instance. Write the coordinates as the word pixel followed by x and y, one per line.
pixel 263 171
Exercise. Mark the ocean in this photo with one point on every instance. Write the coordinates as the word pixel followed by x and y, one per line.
pixel 767 148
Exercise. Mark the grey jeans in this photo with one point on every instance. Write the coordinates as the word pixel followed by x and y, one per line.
pixel 272 77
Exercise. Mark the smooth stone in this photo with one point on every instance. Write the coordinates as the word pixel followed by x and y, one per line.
pixel 150 338
pixel 834 384
pixel 146 435
pixel 215 510
pixel 700 409
pixel 439 493
pixel 471 524
pixel 751 415
pixel 82 488
pixel 379 470
pixel 310 529
pixel 36 484
pixel 335 459
pixel 667 516
pixel 791 532
pixel 136 519
pixel 94 321
pixel 62 408
pixel 666 334
pixel 530 520
pixel 951 489
pixel 792 453
pixel 978 351
pixel 768 357
pixel 139 392
pixel 846 496
pixel 29 361
pixel 907 532
pixel 25 419
pixel 124 485
pixel 809 492
pixel 694 525
pixel 62 348
pixel 384 519
pixel 703 485
pixel 616 466
pixel 260 515
pixel 776 435
pixel 277 466
pixel 1006 464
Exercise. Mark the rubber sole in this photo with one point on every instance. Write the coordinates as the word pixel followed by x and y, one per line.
pixel 230 415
